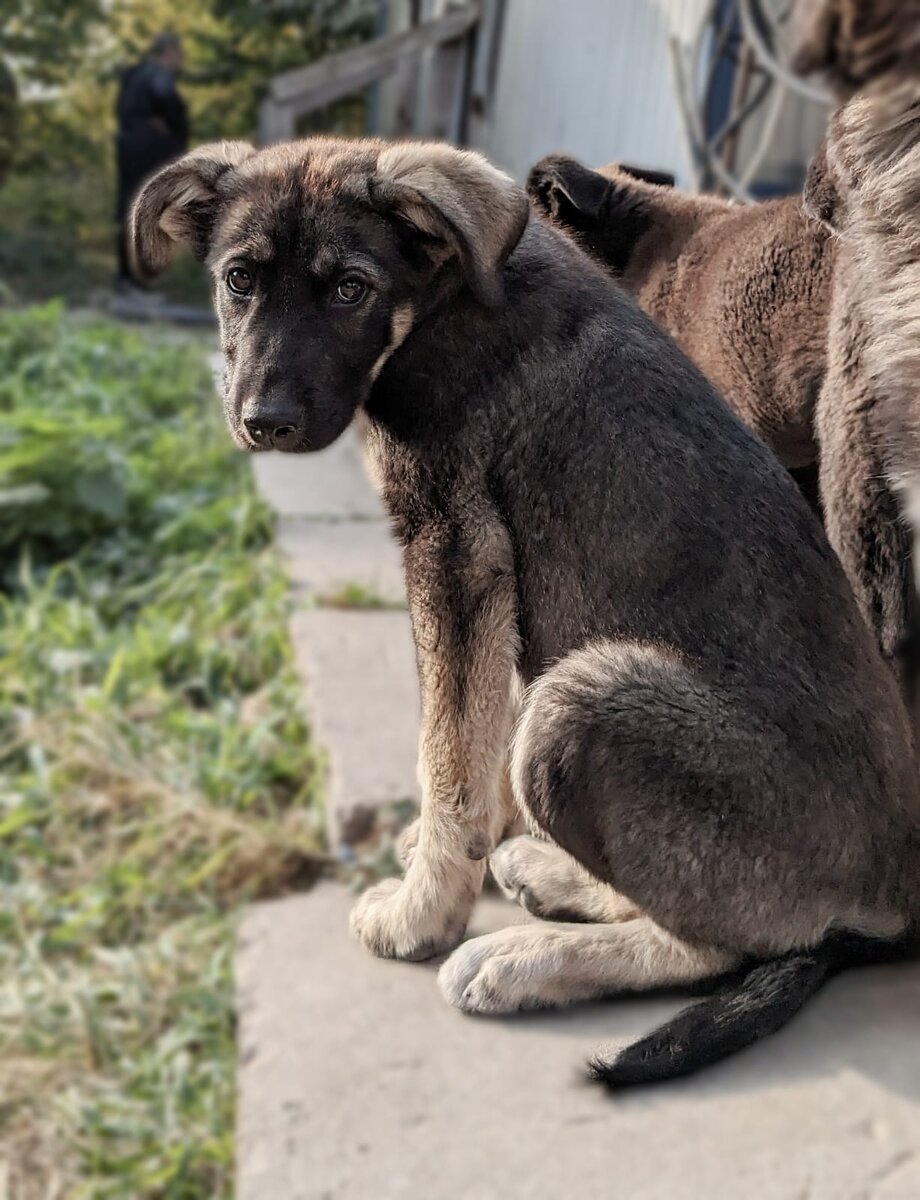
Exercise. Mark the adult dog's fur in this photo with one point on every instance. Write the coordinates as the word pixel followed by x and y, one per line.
pixel 596 548
pixel 869 195
pixel 866 190
pixel 763 299
pixel 744 291
pixel 854 43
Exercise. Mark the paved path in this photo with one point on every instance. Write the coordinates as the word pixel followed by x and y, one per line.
pixel 358 663
pixel 357 1082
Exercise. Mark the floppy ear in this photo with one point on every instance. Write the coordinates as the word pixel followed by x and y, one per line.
pixel 557 184
pixel 820 199
pixel 457 198
pixel 177 205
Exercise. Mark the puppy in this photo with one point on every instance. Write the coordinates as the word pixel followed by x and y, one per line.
pixel 610 580
pixel 752 294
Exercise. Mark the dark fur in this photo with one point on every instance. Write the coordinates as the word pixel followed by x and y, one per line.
pixel 710 729
pixel 745 292
pixel 769 995
pixel 762 299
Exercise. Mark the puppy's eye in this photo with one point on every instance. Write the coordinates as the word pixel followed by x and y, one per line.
pixel 239 281
pixel 350 291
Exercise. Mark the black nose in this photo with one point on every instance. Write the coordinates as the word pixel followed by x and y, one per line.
pixel 272 430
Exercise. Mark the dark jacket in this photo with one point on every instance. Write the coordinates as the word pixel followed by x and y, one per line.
pixel 152 126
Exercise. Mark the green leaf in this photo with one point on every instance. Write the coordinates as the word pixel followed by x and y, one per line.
pixel 25 494
pixel 103 493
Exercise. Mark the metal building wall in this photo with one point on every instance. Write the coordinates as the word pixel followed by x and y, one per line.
pixel 589 77
pixel 593 78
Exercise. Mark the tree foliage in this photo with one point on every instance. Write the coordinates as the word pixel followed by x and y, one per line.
pixel 62 60
pixel 47 38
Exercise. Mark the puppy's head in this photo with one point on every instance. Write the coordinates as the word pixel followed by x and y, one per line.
pixel 609 209
pixel 323 254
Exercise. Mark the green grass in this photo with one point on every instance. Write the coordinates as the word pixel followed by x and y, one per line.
pixel 155 768
pixel 356 595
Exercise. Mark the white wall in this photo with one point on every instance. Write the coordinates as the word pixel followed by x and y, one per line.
pixel 593 78
pixel 589 77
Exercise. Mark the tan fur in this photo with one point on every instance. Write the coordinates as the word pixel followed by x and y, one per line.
pixel 547 882
pixel 866 189
pixel 457 196
pixel 468 706
pixel 513 821
pixel 745 293
pixel 532 966
pixel 874 151
pixel 401 328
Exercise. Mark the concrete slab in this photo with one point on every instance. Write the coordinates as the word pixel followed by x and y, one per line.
pixel 359 671
pixel 332 483
pixel 358 1083
pixel 326 557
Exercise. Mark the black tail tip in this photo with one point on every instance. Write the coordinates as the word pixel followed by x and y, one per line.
pixel 621 1071
pixel 600 1071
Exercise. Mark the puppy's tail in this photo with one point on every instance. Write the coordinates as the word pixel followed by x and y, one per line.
pixel 768 996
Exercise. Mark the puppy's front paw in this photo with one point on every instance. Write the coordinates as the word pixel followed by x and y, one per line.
pixel 522 967
pixel 479 977
pixel 391 924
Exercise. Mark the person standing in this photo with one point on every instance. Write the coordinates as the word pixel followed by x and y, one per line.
pixel 152 130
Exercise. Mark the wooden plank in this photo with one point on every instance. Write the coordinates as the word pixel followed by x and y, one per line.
pixel 339 75
pixel 276 122
pixel 448 92
pixel 485 56
pixel 404 87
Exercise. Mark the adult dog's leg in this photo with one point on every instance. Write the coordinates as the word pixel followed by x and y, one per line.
pixel 536 966
pixel 550 884
pixel 463 606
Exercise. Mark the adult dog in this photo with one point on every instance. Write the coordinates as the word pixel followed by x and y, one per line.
pixel 764 300
pixel 596 548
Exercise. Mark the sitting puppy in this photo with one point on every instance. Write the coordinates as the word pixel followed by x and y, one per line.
pixel 748 294
pixel 598 556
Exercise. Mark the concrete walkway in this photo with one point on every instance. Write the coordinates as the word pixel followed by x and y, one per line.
pixel 357 1082
pixel 357 662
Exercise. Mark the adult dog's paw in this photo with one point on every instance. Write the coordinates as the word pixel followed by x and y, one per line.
pixel 391 924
